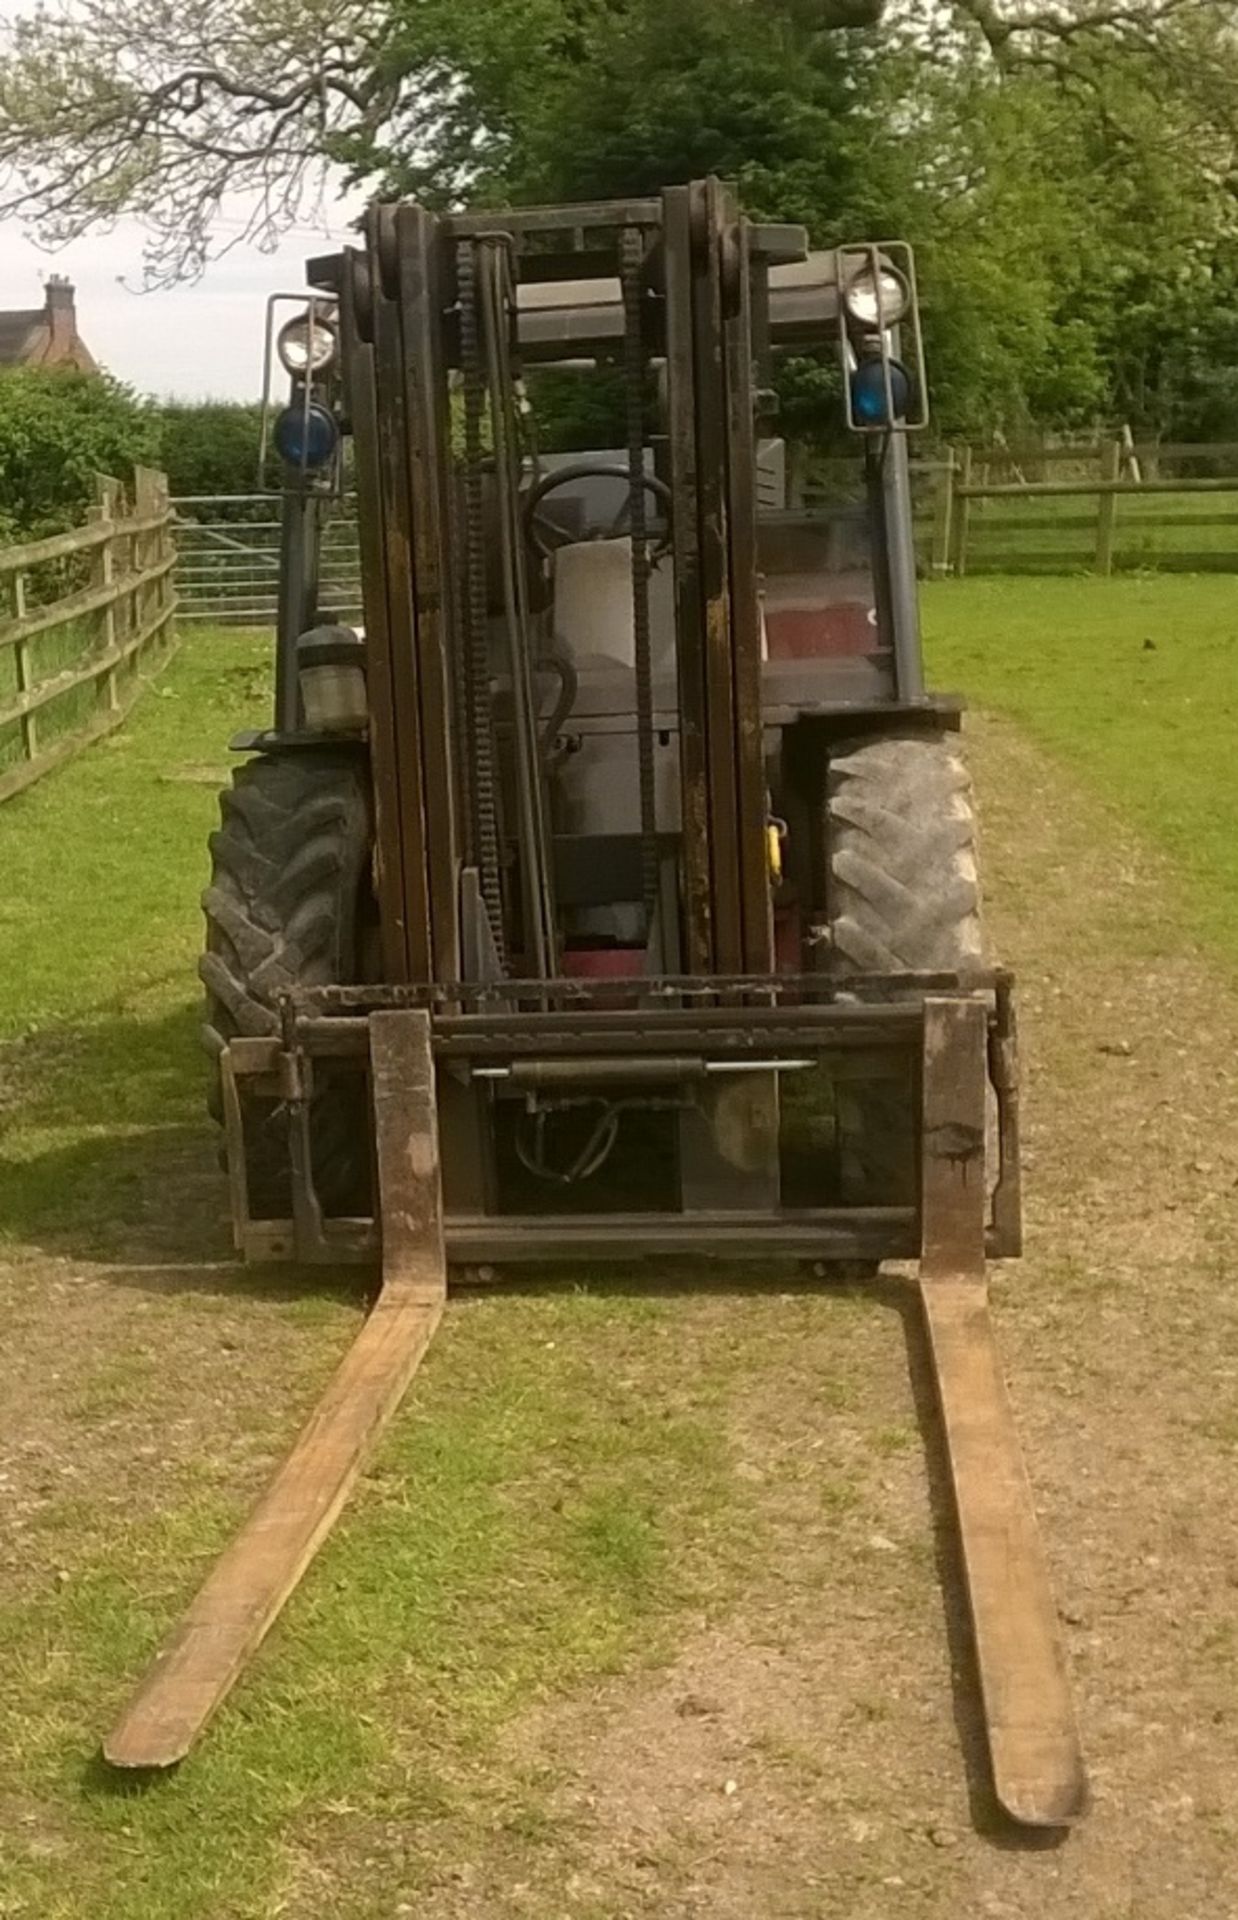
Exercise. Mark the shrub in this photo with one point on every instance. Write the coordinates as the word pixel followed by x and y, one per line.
pixel 58 430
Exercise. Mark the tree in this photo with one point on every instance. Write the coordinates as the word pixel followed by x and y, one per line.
pixel 551 100
pixel 58 431
pixel 1072 238
pixel 1067 168
pixel 156 109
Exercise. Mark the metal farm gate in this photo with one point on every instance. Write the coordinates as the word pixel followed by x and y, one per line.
pixel 228 567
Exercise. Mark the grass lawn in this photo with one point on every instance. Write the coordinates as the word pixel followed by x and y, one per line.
pixel 565 1489
pixel 555 1456
pixel 1133 685
pixel 103 864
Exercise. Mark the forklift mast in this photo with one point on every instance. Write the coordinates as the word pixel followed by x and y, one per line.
pixel 742 620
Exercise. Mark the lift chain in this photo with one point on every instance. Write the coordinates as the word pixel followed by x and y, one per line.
pixel 485 829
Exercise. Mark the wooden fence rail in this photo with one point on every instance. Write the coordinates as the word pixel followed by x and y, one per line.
pixel 976 525
pixel 89 614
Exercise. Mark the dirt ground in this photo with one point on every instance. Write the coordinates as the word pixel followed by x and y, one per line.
pixel 816 1752
pixel 1119 1330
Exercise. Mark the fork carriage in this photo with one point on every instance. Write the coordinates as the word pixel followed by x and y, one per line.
pixel 525 1041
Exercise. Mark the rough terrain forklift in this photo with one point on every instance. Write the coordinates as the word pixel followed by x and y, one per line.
pixel 612 891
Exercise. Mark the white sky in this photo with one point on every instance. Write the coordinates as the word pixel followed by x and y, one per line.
pixel 199 341
pixel 196 341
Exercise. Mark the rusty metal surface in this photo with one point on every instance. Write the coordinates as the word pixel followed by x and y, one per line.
pixel 1038 1771
pixel 496 294
pixel 397 538
pixel 489 1237
pixel 707 1019
pixel 952 1137
pixel 663 1034
pixel 407 1156
pixel 205 1653
pixel 585 217
pixel 486 1037
pixel 1007 1201
pixel 820 1234
pixel 771 1017
pixel 385 755
pixel 732 235
pixel 696 877
pixel 768 988
pixel 712 469
pixel 426 412
pixel 234 1147
pixel 716 639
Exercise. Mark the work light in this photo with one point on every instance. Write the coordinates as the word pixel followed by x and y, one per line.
pixel 876 297
pixel 306 344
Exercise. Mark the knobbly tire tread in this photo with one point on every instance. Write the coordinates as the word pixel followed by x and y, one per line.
pixel 904 896
pixel 289 871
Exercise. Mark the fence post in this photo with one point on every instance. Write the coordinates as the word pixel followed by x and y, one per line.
pixel 962 514
pixel 163 548
pixel 109 502
pixel 25 673
pixel 1107 505
pixel 163 552
pixel 943 514
pixel 148 547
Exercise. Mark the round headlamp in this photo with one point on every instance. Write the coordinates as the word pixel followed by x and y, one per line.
pixel 306 344
pixel 877 297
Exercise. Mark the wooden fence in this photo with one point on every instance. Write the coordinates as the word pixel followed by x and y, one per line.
pixel 1104 505
pixel 84 616
pixel 1112 506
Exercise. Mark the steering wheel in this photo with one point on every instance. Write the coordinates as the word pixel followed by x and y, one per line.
pixel 546 537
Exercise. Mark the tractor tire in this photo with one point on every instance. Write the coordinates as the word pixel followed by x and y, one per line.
pixel 904 896
pixel 290 881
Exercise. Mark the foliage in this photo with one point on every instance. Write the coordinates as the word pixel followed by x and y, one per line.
pixel 575 414
pixel 549 100
pixel 1157 247
pixel 58 431
pixel 211 446
pixel 1065 168
pixel 149 107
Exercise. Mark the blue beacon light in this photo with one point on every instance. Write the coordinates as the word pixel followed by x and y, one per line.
pixel 306 436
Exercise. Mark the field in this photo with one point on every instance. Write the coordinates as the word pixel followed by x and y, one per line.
pixel 640 1610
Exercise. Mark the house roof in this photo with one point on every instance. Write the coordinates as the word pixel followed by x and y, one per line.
pixel 16 329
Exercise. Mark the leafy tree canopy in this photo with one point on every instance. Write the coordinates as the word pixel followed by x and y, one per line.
pixel 211 446
pixel 58 430
pixel 1067 168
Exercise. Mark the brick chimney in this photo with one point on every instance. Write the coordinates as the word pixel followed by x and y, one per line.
pixel 61 316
